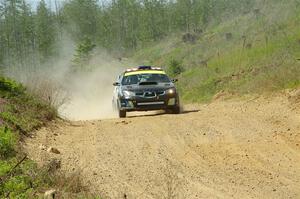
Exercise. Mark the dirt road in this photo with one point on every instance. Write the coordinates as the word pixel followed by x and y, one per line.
pixel 247 148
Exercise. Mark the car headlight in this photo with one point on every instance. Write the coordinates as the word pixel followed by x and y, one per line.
pixel 171 91
pixel 128 94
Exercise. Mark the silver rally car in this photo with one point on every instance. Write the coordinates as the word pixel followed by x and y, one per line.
pixel 145 88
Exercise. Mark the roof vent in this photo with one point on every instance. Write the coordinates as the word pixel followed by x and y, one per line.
pixel 144 67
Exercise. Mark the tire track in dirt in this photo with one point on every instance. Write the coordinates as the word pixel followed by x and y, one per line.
pixel 226 149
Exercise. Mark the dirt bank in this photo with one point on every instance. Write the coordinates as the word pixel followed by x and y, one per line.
pixel 246 148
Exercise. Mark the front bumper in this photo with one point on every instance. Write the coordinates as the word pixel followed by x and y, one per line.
pixel 145 104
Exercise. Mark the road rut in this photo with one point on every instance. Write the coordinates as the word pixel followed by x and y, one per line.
pixel 238 148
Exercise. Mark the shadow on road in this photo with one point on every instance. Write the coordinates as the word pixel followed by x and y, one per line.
pixel 159 113
pixel 190 111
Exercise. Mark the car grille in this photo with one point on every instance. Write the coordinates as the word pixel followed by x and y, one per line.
pixel 149 94
pixel 160 92
pixel 139 93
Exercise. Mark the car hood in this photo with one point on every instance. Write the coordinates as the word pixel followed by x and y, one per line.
pixel 156 87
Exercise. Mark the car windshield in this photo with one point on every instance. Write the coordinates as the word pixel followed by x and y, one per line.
pixel 136 79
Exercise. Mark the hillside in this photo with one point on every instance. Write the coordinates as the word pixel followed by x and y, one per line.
pixel 229 47
pixel 21 113
pixel 251 52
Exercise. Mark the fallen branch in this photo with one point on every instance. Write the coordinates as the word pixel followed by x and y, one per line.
pixel 4 178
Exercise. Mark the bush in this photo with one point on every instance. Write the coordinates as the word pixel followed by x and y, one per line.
pixel 48 90
pixel 18 182
pixel 26 113
pixel 17 186
pixel 175 68
pixel 7 142
pixel 28 116
pixel 83 54
pixel 20 112
pixel 9 87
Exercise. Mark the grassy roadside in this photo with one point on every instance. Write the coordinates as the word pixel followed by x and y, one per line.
pixel 20 114
pixel 249 53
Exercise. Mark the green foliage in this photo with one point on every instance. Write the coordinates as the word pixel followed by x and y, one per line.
pixel 175 68
pixel 26 37
pixel 26 114
pixel 7 142
pixel 23 112
pixel 10 87
pixel 4 167
pixel 29 181
pixel 31 38
pixel 80 18
pixel 261 56
pixel 21 181
pixel 16 186
pixel 83 53
pixel 44 31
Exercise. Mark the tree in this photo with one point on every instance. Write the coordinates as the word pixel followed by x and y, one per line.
pixel 83 53
pixel 80 17
pixel 15 31
pixel 29 37
pixel 45 32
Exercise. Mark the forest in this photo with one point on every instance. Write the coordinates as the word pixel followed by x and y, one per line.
pixel 32 36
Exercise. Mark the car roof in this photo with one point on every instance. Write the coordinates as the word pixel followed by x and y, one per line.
pixel 144 70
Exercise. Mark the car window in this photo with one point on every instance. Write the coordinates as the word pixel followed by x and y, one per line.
pixel 136 79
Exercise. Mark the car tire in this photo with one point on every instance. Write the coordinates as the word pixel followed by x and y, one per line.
pixel 122 114
pixel 176 110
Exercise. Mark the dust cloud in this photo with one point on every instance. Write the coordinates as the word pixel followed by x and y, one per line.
pixel 84 94
pixel 90 93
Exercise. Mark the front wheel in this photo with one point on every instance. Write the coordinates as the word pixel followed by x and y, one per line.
pixel 122 113
pixel 176 110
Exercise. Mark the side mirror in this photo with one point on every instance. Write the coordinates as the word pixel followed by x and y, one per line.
pixel 116 84
pixel 174 80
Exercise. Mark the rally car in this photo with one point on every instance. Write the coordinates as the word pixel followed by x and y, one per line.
pixel 145 88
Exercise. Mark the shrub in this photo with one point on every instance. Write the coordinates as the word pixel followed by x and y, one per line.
pixel 10 87
pixel 18 182
pixel 48 90
pixel 17 186
pixel 83 54
pixel 7 142
pixel 175 68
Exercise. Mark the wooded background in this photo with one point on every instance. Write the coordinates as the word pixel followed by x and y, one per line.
pixel 30 37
